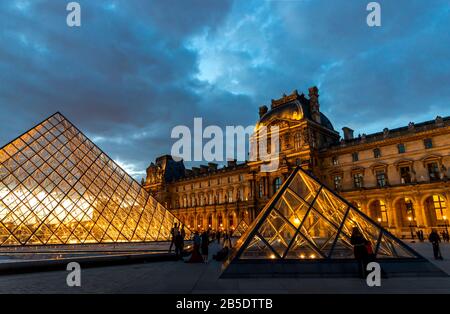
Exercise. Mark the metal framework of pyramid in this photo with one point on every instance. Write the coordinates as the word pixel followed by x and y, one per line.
pixel 240 229
pixel 57 187
pixel 307 222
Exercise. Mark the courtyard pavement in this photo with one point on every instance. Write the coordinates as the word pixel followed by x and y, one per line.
pixel 179 277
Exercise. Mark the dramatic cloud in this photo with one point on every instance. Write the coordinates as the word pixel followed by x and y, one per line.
pixel 135 69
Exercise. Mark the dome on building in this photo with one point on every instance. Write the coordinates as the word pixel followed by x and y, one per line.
pixel 292 107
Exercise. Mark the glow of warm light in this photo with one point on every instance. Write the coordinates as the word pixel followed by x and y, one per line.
pixel 312 256
pixel 445 217
pixel 221 225
pixel 296 221
pixel 379 219
pixel 272 256
pixel 302 255
pixel 409 218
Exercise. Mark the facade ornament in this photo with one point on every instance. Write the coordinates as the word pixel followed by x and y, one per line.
pixel 411 126
pixel 385 132
pixel 439 121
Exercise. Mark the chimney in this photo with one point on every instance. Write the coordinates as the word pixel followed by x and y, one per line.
pixel 212 166
pixel 314 103
pixel 231 163
pixel 262 111
pixel 348 133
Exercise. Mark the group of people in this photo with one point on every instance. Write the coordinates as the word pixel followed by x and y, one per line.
pixel 178 236
pixel 364 253
pixel 201 242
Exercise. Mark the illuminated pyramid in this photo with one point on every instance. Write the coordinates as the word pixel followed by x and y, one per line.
pixel 240 229
pixel 57 187
pixel 306 229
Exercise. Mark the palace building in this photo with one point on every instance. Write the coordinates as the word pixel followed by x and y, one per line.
pixel 398 177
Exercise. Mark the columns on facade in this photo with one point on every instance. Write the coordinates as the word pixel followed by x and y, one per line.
pixel 419 211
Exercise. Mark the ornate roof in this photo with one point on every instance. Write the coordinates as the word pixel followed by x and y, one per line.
pixel 292 107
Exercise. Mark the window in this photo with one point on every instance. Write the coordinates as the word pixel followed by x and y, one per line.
pixel 439 207
pixel 433 171
pixel 241 177
pixel 381 178
pixel 337 182
pixel 261 189
pixel 358 180
pixel 401 148
pixel 297 140
pixel 230 196
pixel 428 143
pixel 409 208
pixel 355 156
pixel 383 211
pixel 376 153
pixel 241 194
pixel 276 184
pixel 405 175
pixel 334 160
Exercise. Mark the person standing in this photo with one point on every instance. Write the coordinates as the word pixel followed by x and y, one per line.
pixel 196 257
pixel 178 246
pixel 434 238
pixel 205 246
pixel 360 251
pixel 218 236
pixel 173 232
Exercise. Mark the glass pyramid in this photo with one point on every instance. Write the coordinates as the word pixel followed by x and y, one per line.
pixel 305 220
pixel 57 187
pixel 240 229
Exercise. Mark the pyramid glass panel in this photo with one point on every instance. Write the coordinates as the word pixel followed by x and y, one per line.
pixel 57 187
pixel 240 229
pixel 305 220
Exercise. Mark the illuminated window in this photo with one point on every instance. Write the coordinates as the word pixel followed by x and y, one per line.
pixel 439 206
pixel 383 211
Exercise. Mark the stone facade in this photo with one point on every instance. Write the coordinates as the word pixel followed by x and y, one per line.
pixel 398 177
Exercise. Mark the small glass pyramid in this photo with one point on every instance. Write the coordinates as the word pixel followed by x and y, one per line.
pixel 305 221
pixel 57 187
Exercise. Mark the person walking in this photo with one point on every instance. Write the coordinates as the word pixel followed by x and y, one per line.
pixel 434 238
pixel 173 232
pixel 205 245
pixel 360 250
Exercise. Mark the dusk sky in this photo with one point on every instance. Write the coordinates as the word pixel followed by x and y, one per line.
pixel 135 69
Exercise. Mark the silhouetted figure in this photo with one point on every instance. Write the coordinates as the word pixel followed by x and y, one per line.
pixel 173 232
pixel 205 246
pixel 360 251
pixel 196 257
pixel 179 245
pixel 435 239
pixel 218 237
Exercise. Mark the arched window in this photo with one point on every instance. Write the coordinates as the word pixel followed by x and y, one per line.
pixel 276 184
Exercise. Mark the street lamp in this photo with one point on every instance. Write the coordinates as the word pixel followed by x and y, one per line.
pixel 379 220
pixel 411 228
